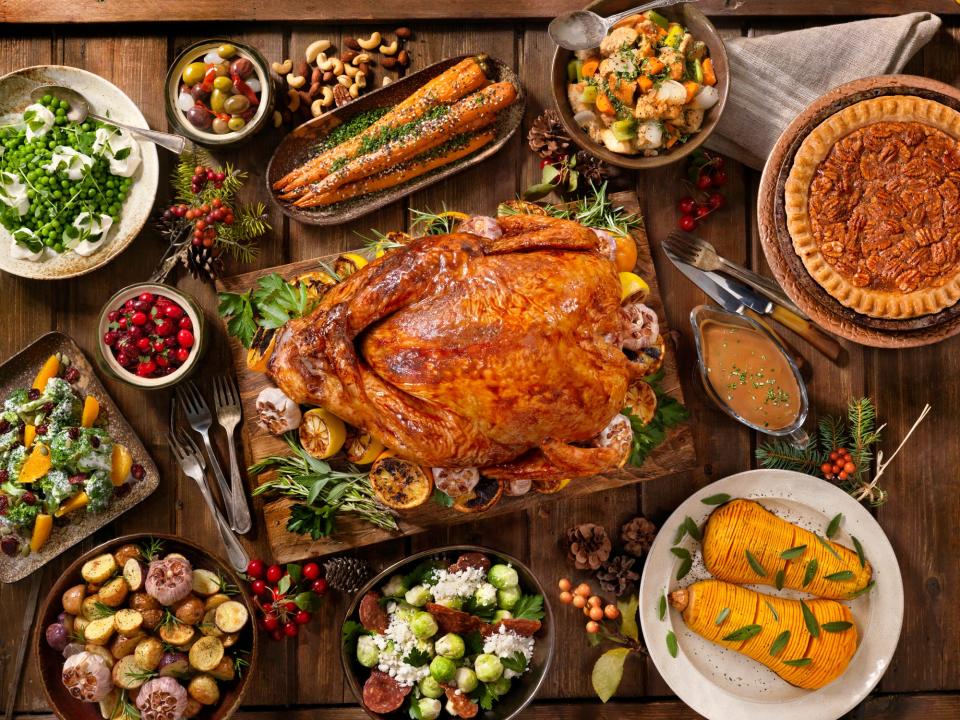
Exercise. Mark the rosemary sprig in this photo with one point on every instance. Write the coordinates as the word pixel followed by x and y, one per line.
pixel 596 210
pixel 151 549
pixel 427 222
pixel 101 611
pixel 322 492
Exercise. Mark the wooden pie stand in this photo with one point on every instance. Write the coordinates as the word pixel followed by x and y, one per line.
pixel 786 265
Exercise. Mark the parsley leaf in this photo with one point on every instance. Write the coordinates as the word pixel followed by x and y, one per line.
pixel 516 662
pixel 269 305
pixel 529 607
pixel 349 632
pixel 646 437
pixel 238 312
pixel 417 657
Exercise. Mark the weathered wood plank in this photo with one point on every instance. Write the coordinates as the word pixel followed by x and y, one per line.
pixel 96 11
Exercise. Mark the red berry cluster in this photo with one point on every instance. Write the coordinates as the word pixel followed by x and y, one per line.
pixel 286 596
pixel 207 216
pixel 150 335
pixel 840 466
pixel 706 174
pixel 201 175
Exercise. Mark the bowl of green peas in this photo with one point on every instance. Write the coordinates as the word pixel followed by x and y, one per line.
pixel 73 195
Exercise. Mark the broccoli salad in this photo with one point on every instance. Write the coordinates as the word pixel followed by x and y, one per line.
pixel 56 458
pixel 463 632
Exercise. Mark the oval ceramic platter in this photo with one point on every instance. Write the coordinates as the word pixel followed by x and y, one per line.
pixel 300 145
pixel 722 684
pixel 105 99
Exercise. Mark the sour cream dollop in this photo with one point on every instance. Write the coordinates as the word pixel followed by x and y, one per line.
pixel 38 120
pixel 119 148
pixel 88 233
pixel 13 193
pixel 72 161
pixel 20 249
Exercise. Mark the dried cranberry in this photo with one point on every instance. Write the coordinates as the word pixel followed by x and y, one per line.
pixel 78 479
pixel 73 433
pixel 121 490
pixel 4 426
pixel 94 442
pixel 137 471
pixel 33 394
pixel 42 429
pixel 4 504
pixel 72 375
pixel 47 408
pixel 4 476
pixel 10 545
pixel 29 498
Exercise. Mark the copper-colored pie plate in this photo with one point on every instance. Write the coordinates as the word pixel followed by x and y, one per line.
pixel 778 246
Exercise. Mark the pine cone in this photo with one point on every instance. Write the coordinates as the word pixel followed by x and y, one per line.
pixel 203 262
pixel 617 575
pixel 547 136
pixel 347 574
pixel 637 536
pixel 592 168
pixel 589 546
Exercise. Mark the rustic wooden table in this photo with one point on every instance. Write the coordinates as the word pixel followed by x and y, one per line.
pixel 132 43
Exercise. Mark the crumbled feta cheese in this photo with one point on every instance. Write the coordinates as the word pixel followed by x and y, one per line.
pixel 460 584
pixel 505 643
pixel 394 645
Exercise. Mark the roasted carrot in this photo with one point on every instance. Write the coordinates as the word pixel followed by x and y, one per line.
pixel 401 173
pixel 449 86
pixel 590 67
pixel 644 83
pixel 709 74
pixel 603 103
pixel 691 87
pixel 470 113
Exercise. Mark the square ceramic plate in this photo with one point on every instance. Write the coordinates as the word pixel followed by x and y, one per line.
pixel 722 684
pixel 19 371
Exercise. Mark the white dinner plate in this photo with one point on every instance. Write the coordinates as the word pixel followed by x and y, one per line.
pixel 722 684
pixel 105 99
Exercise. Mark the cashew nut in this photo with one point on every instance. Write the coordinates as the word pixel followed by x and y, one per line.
pixel 354 90
pixel 295 81
pixel 345 80
pixel 293 102
pixel 327 92
pixel 360 80
pixel 315 48
pixel 333 64
pixel 321 58
pixel 390 49
pixel 386 80
pixel 361 58
pixel 282 68
pixel 316 107
pixel 371 42
pixel 351 70
pixel 277 118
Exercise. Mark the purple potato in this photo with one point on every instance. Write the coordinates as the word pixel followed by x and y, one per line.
pixel 57 636
pixel 173 664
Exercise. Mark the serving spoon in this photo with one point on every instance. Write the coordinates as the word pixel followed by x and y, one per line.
pixel 80 111
pixel 584 29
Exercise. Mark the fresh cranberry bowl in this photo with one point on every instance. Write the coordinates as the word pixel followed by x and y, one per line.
pixel 150 335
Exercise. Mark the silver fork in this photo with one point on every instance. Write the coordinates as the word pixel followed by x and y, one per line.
pixel 191 462
pixel 200 419
pixel 701 254
pixel 226 403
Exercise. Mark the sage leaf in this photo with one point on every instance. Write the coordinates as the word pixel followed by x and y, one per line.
pixel 810 572
pixel 799 662
pixel 692 529
pixel 859 548
pixel 681 533
pixel 721 616
pixel 779 579
pixel 793 553
pixel 718 499
pixel 684 568
pixel 662 607
pixel 838 626
pixel 608 671
pixel 774 612
pixel 862 591
pixel 810 619
pixel 780 642
pixel 744 633
pixel 842 576
pixel 834 525
pixel 755 564
pixel 828 546
pixel 680 552
pixel 672 646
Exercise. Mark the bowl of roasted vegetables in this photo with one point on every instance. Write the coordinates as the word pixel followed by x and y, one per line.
pixel 652 91
pixel 448 633
pixel 146 628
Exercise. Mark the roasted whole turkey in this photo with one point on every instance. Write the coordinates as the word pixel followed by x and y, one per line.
pixel 503 346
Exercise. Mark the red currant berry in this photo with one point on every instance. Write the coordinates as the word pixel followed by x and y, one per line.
pixel 255 568
pixel 165 327
pixel 259 587
pixel 174 312
pixel 109 338
pixel 185 338
pixel 319 586
pixel 271 623
pixel 143 344
pixel 291 629
pixel 182 354
pixel 686 205
pixel 274 573
pixel 146 369
pixel 122 323
pixel 291 607
pixel 701 212
pixel 688 223
pixel 719 178
pixel 704 182
pixel 311 571
pixel 159 346
pixel 146 297
pixel 268 607
pixel 302 617
pixel 716 201
pixel 113 315
pixel 186 323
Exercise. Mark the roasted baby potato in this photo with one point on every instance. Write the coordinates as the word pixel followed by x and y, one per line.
pixel 127 674
pixel 99 631
pixel 204 690
pixel 189 610
pixel 205 583
pixel 123 645
pixel 73 598
pixel 209 625
pixel 148 653
pixel 127 621
pixel 206 654
pixel 141 601
pixel 224 670
pixel 133 574
pixel 100 569
pixel 88 608
pixel 231 616
pixel 113 593
pixel 151 618
pixel 215 601
pixel 101 651
pixel 176 633
pixel 127 552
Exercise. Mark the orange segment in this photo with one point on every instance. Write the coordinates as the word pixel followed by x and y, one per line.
pixel 29 435
pixel 36 465
pixel 50 368
pixel 41 531
pixel 91 410
pixel 81 499
pixel 120 463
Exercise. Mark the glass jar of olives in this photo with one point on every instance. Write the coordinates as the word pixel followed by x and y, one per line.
pixel 219 92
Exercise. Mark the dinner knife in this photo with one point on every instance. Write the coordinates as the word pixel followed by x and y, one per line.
pixel 733 296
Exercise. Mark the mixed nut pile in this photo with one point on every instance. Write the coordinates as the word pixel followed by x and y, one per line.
pixel 324 79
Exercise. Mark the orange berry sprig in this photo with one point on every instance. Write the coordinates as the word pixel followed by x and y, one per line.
pixel 597 612
pixel 839 466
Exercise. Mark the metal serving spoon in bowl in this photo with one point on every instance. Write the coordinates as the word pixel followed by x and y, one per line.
pixel 583 29
pixel 80 111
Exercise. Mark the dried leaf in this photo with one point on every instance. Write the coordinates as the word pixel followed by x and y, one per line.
pixel 608 671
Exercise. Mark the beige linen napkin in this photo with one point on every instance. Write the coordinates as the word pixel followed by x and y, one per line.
pixel 774 77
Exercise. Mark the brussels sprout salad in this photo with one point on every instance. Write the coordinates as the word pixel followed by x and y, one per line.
pixel 56 458
pixel 462 632
pixel 62 183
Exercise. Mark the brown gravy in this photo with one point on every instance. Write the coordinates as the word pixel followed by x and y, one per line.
pixel 750 374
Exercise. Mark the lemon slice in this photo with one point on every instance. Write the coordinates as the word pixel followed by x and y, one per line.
pixel 455 214
pixel 348 263
pixel 632 284
pixel 322 433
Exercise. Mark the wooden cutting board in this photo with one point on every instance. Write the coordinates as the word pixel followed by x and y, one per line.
pixel 674 455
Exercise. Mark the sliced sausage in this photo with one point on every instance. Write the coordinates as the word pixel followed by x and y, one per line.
pixel 383 694
pixel 462 704
pixel 471 560
pixel 455 621
pixel 372 616
pixel 527 628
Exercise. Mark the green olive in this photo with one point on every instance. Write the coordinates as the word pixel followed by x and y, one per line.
pixel 194 72
pixel 223 83
pixel 236 123
pixel 220 126
pixel 236 104
pixel 226 51
pixel 223 69
pixel 217 99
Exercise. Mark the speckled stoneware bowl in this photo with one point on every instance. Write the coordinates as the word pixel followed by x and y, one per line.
pixel 18 372
pixel 524 689
pixel 105 99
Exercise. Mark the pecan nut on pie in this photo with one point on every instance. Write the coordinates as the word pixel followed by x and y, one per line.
pixel 873 206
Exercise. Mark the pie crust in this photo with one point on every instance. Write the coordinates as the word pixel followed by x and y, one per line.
pixel 873 206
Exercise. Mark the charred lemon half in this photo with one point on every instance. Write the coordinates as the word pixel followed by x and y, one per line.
pixel 484 496
pixel 400 484
pixel 322 433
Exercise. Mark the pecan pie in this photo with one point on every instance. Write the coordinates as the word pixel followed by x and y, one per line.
pixel 873 206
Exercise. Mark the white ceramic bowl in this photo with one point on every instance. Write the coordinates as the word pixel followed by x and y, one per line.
pixel 106 99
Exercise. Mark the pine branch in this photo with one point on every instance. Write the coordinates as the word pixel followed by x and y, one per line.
pixel 781 455
pixel 862 417
pixel 832 433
